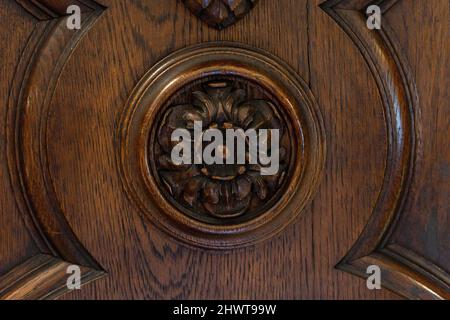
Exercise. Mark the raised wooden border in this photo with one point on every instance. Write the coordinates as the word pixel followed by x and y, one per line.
pixel 40 277
pixel 403 272
pixel 49 47
pixel 193 63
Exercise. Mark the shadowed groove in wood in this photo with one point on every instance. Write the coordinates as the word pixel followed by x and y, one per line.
pixel 399 95
pixel 190 64
pixel 220 14
pixel 298 263
pixel 41 214
pixel 41 277
pixel 222 193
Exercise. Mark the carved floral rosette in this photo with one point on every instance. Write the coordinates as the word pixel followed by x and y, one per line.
pixel 221 190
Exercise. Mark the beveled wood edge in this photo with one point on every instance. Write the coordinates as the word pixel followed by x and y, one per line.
pixel 202 14
pixel 190 232
pixel 48 227
pixel 402 272
pixel 44 10
pixel 41 277
pixel 416 261
pixel 402 276
pixel 357 266
pixel 399 98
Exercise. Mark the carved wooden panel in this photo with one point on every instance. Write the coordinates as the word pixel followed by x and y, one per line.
pixel 39 66
pixel 408 273
pixel 87 176
pixel 221 206
pixel 220 193
pixel 220 13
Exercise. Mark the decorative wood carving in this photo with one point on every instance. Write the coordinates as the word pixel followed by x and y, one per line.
pixel 170 84
pixel 220 13
pixel 40 277
pixel 56 9
pixel 220 191
pixel 405 273
pixel 42 61
pixel 287 102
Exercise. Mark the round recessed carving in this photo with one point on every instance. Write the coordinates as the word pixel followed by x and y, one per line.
pixel 221 89
pixel 223 193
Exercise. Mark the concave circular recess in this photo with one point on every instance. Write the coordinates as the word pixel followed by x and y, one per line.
pixel 222 194
pixel 225 86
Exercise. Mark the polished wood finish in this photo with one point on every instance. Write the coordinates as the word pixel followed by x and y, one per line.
pixel 222 193
pixel 381 131
pixel 40 277
pixel 401 102
pixel 220 13
pixel 142 114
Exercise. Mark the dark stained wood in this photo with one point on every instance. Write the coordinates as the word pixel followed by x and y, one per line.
pixel 143 114
pixel 402 112
pixel 220 13
pixel 40 277
pixel 428 208
pixel 382 198
pixel 16 244
pixel 221 193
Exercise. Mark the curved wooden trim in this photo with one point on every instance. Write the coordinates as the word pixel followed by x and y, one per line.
pixel 40 277
pixel 193 63
pixel 217 13
pixel 400 101
pixel 53 9
pixel 48 48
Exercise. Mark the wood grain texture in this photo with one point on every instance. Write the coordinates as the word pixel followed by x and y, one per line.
pixel 220 13
pixel 55 43
pixel 163 81
pixel 220 193
pixel 16 244
pixel 55 9
pixel 81 99
pixel 40 277
pixel 416 277
pixel 144 263
pixel 35 78
pixel 422 233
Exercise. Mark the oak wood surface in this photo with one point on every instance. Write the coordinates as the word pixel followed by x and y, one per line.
pixel 17 244
pixel 142 262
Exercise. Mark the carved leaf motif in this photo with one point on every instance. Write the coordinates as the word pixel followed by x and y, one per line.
pixel 220 13
pixel 224 191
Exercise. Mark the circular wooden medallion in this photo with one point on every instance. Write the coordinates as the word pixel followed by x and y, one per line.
pixel 241 198
pixel 223 193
